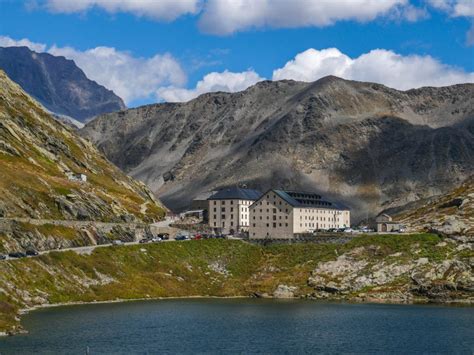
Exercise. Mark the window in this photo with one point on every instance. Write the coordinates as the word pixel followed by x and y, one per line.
pixel 231 202
pixel 232 209
pixel 215 209
pixel 223 209
pixel 286 224
pixel 260 217
pixel 215 216
pixel 279 224
pixel 223 216
pixel 231 216
pixel 215 224
pixel 274 225
pixel 274 210
pixel 223 202
pixel 274 217
pixel 254 226
pixel 215 202
pixel 231 223
pixel 253 217
pixel 268 225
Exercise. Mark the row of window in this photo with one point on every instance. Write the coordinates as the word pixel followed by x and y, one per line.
pixel 231 202
pixel 274 224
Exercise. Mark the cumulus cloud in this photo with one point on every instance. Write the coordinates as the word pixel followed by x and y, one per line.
pixel 129 77
pixel 228 16
pixel 225 81
pixel 379 65
pixel 10 42
pixel 166 10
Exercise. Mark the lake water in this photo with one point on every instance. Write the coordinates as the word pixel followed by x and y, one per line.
pixel 245 326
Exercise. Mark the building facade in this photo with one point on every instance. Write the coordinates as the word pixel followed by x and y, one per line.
pixel 228 210
pixel 281 214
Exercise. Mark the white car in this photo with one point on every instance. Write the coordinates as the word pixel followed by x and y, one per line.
pixel 348 230
pixel 156 239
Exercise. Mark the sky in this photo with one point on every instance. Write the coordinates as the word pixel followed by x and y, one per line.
pixel 174 50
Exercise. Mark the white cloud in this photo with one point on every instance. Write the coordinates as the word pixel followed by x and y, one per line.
pixel 379 65
pixel 225 81
pixel 129 77
pixel 455 8
pixel 228 16
pixel 166 10
pixel 9 42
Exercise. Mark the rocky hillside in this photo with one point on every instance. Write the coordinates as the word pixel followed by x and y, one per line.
pixel 366 144
pixel 38 159
pixel 451 213
pixel 58 83
pixel 396 268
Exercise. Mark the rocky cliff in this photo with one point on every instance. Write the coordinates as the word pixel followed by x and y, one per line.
pixel 366 144
pixel 58 83
pixel 39 159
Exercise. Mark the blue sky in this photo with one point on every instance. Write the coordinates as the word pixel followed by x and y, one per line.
pixel 150 52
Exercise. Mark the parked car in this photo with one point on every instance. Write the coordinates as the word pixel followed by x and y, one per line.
pixel 117 242
pixel 143 241
pixel 348 230
pixel 181 237
pixel 156 239
pixel 164 236
pixel 17 254
pixel 197 237
pixel 32 252
pixel 2 257
pixel 402 230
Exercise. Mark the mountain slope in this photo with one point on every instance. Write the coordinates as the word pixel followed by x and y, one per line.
pixel 370 146
pixel 449 213
pixel 36 155
pixel 58 83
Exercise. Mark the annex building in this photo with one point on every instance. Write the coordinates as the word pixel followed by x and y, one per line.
pixel 229 209
pixel 281 214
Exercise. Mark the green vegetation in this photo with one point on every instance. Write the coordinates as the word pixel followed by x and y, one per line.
pixel 196 268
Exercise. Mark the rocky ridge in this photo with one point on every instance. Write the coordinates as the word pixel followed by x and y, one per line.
pixel 365 144
pixel 58 84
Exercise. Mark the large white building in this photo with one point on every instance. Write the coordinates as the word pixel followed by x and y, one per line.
pixel 229 210
pixel 281 214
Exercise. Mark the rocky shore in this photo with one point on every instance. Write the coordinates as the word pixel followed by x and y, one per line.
pixel 372 268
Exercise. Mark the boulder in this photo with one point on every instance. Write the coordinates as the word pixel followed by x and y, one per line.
pixel 284 291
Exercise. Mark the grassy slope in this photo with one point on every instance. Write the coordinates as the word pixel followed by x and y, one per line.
pixel 182 269
pixel 34 151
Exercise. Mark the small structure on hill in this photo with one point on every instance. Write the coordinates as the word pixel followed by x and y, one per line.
pixel 385 223
pixel 76 176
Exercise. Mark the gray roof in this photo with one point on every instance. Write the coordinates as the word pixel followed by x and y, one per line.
pixel 236 193
pixel 308 200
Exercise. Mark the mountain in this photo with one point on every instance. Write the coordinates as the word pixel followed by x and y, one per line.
pixel 367 145
pixel 58 83
pixel 38 159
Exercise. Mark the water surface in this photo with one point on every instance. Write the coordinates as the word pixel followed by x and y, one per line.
pixel 245 326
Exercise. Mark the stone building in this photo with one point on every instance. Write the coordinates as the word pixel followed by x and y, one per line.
pixel 228 209
pixel 385 223
pixel 281 214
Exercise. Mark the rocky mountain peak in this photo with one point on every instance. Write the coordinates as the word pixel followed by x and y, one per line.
pixel 58 84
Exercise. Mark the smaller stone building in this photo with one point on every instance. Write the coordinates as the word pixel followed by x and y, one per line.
pixel 385 223
pixel 228 210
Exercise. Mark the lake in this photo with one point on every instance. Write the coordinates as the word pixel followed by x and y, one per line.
pixel 245 326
